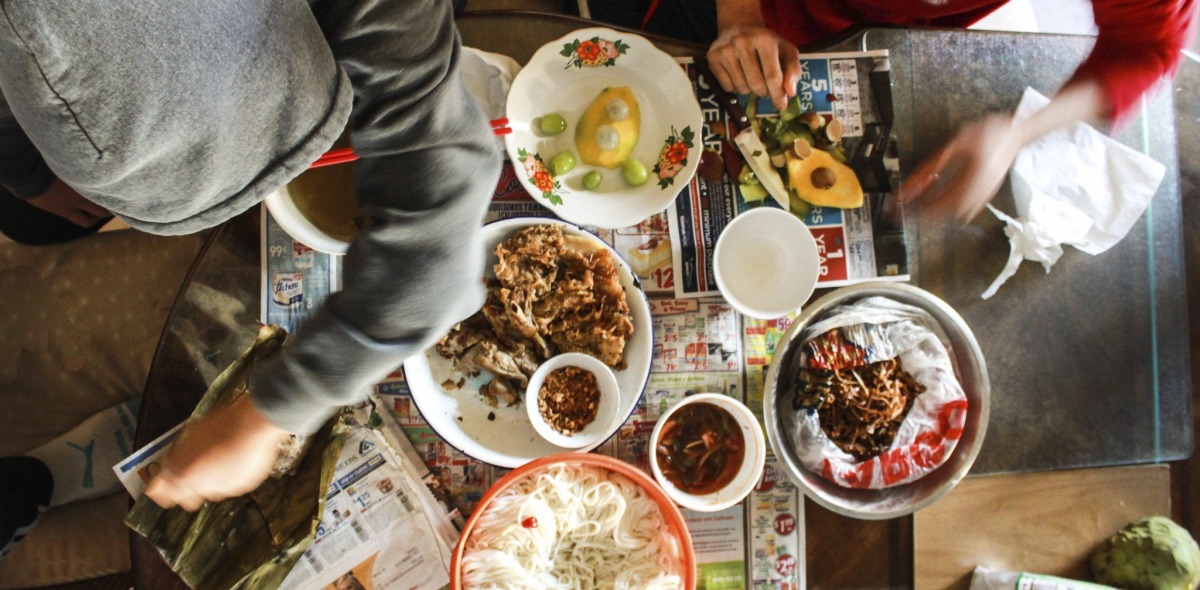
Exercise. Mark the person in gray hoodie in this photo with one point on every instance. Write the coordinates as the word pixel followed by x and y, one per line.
pixel 176 115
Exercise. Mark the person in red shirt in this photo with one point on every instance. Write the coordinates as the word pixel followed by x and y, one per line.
pixel 1138 43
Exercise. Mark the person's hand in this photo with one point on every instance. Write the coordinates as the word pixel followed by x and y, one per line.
pixel 749 58
pixel 224 454
pixel 62 200
pixel 955 183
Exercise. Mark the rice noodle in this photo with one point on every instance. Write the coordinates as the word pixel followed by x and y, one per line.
pixel 595 529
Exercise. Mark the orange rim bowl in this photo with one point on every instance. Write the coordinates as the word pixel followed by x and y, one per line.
pixel 671 514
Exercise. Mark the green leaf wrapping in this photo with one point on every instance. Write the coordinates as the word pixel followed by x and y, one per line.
pixel 252 541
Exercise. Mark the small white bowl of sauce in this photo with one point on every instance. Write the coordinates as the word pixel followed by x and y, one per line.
pixel 708 452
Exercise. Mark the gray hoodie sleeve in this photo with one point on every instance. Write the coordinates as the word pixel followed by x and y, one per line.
pixel 23 172
pixel 427 169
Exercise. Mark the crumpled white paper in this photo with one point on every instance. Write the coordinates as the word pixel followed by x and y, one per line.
pixel 1073 186
pixel 488 76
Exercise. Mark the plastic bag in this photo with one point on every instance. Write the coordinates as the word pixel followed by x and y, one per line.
pixel 985 579
pixel 872 330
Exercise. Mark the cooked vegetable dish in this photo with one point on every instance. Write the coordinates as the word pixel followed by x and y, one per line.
pixel 861 407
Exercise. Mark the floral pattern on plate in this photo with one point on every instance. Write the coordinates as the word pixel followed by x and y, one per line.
pixel 593 52
pixel 540 176
pixel 673 157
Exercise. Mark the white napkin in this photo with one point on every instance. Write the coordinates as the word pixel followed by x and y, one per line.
pixel 1073 186
pixel 488 76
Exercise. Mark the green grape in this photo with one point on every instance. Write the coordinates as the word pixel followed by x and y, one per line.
pixel 553 124
pixel 634 172
pixel 591 180
pixel 562 163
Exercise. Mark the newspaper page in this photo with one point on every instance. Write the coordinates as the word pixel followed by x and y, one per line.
pixel 377 530
pixel 855 245
pixel 775 523
pixel 296 278
pixel 696 350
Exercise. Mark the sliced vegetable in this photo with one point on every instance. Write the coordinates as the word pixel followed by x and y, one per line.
pixel 756 156
pixel 792 110
pixel 800 207
pixel 752 192
pixel 747 176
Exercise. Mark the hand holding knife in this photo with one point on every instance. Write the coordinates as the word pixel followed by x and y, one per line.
pixel 748 144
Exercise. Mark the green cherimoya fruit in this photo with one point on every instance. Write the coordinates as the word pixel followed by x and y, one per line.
pixel 1152 553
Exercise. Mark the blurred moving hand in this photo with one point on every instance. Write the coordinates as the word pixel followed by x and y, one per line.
pixel 955 183
pixel 62 200
pixel 224 454
pixel 749 57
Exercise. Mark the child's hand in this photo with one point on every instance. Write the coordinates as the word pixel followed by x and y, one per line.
pixel 224 454
pixel 63 201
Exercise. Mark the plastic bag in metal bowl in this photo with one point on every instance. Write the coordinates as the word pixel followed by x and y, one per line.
pixel 781 419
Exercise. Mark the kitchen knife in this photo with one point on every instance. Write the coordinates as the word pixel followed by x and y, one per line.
pixel 747 142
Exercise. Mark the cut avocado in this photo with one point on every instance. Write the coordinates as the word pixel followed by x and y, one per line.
pixel 823 181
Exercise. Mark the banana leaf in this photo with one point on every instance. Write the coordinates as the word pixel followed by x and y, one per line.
pixel 252 541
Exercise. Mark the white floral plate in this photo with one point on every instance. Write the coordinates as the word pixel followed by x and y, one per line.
pixel 504 436
pixel 563 77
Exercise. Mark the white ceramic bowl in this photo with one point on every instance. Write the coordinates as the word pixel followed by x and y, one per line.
pixel 283 209
pixel 766 263
pixel 555 80
pixel 752 462
pixel 606 412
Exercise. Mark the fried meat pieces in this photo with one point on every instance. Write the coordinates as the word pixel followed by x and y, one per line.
pixel 553 293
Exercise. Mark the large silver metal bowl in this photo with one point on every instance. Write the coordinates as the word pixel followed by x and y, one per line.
pixel 898 500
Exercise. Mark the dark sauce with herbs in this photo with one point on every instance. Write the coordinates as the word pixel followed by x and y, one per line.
pixel 700 448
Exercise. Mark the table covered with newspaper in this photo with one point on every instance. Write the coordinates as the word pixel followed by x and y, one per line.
pixel 400 491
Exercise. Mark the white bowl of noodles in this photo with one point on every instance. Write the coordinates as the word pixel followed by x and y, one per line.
pixel 546 522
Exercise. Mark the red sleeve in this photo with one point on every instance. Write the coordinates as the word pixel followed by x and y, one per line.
pixel 1139 42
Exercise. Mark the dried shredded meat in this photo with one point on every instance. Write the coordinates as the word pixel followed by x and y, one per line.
pixel 860 408
pixel 553 293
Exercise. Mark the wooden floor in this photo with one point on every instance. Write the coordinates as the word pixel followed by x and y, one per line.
pixel 1048 523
